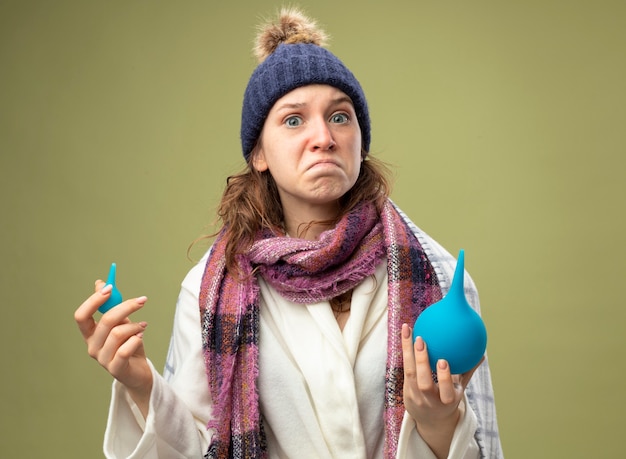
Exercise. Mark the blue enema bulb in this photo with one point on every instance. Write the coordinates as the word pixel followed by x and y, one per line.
pixel 451 329
pixel 116 296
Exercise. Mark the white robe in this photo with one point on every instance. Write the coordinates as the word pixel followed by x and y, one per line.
pixel 321 389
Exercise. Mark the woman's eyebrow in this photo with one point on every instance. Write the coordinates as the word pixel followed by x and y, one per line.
pixel 341 100
pixel 298 105
pixel 290 106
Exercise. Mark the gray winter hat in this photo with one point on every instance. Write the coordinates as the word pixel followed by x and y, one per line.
pixel 294 58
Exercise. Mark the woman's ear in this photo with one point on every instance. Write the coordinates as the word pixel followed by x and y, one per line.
pixel 258 159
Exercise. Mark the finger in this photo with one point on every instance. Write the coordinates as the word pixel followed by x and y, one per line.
pixel 121 359
pixel 120 313
pixel 408 355
pixel 422 366
pixel 448 388
pixel 130 347
pixel 117 339
pixel 465 377
pixel 99 285
pixel 113 317
pixel 84 314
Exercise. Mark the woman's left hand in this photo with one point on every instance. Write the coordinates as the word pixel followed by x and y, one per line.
pixel 433 405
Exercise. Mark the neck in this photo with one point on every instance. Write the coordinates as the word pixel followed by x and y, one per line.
pixel 309 223
pixel 306 230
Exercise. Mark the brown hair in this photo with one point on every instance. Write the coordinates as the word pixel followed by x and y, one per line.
pixel 251 203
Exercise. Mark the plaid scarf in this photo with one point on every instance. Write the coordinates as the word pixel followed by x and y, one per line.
pixel 304 272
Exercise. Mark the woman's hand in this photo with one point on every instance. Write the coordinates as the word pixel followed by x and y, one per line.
pixel 433 405
pixel 116 342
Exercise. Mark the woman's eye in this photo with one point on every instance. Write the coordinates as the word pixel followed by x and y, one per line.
pixel 293 121
pixel 339 118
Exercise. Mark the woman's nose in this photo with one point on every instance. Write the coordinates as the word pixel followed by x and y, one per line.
pixel 321 136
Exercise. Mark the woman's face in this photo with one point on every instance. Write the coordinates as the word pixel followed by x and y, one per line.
pixel 311 144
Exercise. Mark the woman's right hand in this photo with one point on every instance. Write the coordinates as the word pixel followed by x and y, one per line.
pixel 117 343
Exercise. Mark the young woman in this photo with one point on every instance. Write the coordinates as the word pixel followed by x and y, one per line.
pixel 292 335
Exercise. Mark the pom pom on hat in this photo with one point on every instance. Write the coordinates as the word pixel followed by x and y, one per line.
pixel 291 55
pixel 292 27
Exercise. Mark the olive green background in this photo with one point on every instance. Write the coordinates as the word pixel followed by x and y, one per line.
pixel 504 122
